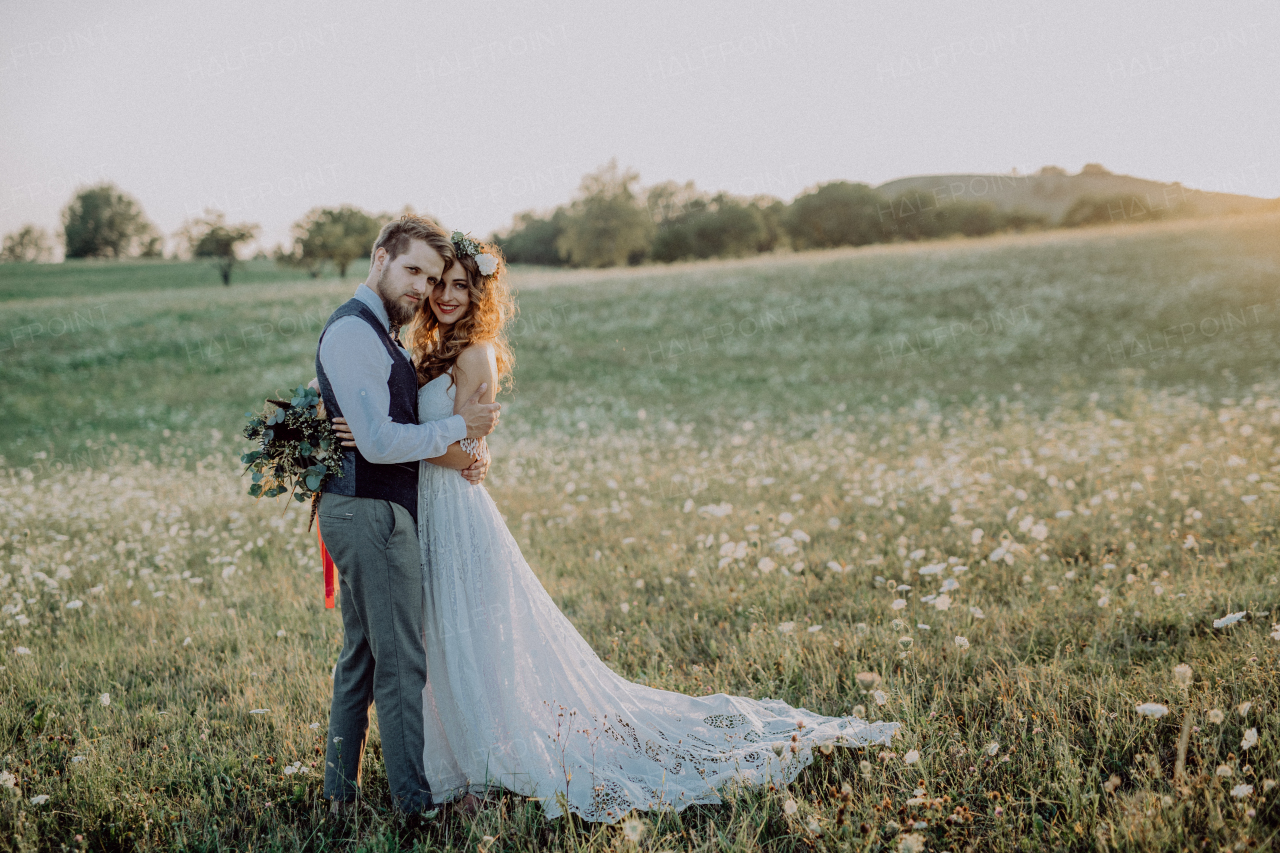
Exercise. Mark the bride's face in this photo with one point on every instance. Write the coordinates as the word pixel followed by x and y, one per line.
pixel 450 297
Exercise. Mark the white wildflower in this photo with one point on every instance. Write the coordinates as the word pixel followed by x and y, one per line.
pixel 75 604
pixel 880 696
pixel 898 603
pixel 962 642
pixel 1152 709
pixel 1229 619
pixel 1250 738
pixel 911 757
pixel 1182 675
pixel 1241 791
pixel 975 535
pixel 39 799
pixel 790 807
pixel 786 627
pixel 104 700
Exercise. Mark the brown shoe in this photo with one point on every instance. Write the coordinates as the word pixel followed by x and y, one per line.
pixel 469 806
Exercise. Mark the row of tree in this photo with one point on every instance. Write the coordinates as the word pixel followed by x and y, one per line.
pixel 104 222
pixel 612 221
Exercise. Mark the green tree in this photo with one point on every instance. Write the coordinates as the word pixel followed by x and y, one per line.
pixel 337 235
pixel 103 222
pixel 694 226
pixel 606 225
pixel 533 239
pixel 837 214
pixel 1103 210
pixel 29 244
pixel 212 237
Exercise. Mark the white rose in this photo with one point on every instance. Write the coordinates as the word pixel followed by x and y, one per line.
pixel 486 263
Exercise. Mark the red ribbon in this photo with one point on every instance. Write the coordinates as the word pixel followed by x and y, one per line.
pixel 330 572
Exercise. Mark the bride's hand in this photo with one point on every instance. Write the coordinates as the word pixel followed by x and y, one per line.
pixel 344 432
pixel 475 474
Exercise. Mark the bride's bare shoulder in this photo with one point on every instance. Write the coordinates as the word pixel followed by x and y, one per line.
pixel 479 356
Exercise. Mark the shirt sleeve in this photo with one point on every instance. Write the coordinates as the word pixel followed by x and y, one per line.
pixel 358 367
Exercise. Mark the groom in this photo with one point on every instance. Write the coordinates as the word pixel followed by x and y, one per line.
pixel 368 517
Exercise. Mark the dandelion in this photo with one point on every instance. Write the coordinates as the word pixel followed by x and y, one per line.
pixel 1111 784
pixel 1267 785
pixel 790 807
pixel 1243 708
pixel 826 749
pixel 1154 710
pixel 39 799
pixel 898 603
pixel 993 747
pixel 912 842
pixel 1250 738
pixel 880 696
pixel 75 604
pixel 1182 675
pixel 1216 716
pixel 859 711
pixel 1241 791
pixel 911 757
pixel 867 680
pixel 813 827
pixel 1223 770
pixel 633 829
pixel 1229 619
pixel 865 767
pixel 786 627
pixel 104 700
pixel 962 642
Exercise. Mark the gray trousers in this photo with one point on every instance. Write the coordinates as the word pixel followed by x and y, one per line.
pixel 374 544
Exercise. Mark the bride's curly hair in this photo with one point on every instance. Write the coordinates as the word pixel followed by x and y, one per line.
pixel 435 348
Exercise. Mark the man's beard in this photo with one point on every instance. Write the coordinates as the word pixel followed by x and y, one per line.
pixel 397 312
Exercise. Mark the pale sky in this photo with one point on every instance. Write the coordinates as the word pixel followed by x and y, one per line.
pixel 475 111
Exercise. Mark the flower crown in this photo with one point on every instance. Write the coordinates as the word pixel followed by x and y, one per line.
pixel 463 245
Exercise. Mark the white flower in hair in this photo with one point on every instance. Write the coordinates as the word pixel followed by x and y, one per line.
pixel 486 263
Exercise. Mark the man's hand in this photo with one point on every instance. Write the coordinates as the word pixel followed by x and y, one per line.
pixel 481 418
pixel 476 473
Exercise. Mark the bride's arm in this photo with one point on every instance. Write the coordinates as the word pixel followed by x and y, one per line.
pixel 477 365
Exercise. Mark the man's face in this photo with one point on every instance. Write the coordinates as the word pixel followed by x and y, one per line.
pixel 407 278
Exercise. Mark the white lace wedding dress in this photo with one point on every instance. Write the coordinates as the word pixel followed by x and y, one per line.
pixel 516 699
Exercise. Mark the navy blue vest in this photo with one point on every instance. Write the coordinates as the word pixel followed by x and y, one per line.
pixel 361 478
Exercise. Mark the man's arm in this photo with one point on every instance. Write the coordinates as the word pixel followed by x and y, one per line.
pixel 358 367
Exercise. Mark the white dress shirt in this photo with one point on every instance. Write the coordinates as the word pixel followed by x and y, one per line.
pixel 358 367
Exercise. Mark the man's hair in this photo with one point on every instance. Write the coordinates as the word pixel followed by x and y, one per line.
pixel 397 233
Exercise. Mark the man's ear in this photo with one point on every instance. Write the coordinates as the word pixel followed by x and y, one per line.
pixel 380 256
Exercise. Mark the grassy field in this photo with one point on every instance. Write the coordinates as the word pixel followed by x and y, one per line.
pixel 997 490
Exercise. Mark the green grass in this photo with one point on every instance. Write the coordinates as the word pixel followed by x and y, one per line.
pixel 1085 463
pixel 94 279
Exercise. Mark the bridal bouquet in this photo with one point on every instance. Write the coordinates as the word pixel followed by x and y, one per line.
pixel 297 448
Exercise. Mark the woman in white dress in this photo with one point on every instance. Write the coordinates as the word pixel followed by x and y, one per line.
pixel 515 698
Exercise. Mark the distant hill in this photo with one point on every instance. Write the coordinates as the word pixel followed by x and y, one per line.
pixel 1051 192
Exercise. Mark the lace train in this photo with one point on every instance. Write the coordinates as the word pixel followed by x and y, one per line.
pixel 517 699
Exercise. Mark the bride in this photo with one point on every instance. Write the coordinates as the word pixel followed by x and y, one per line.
pixel 515 698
